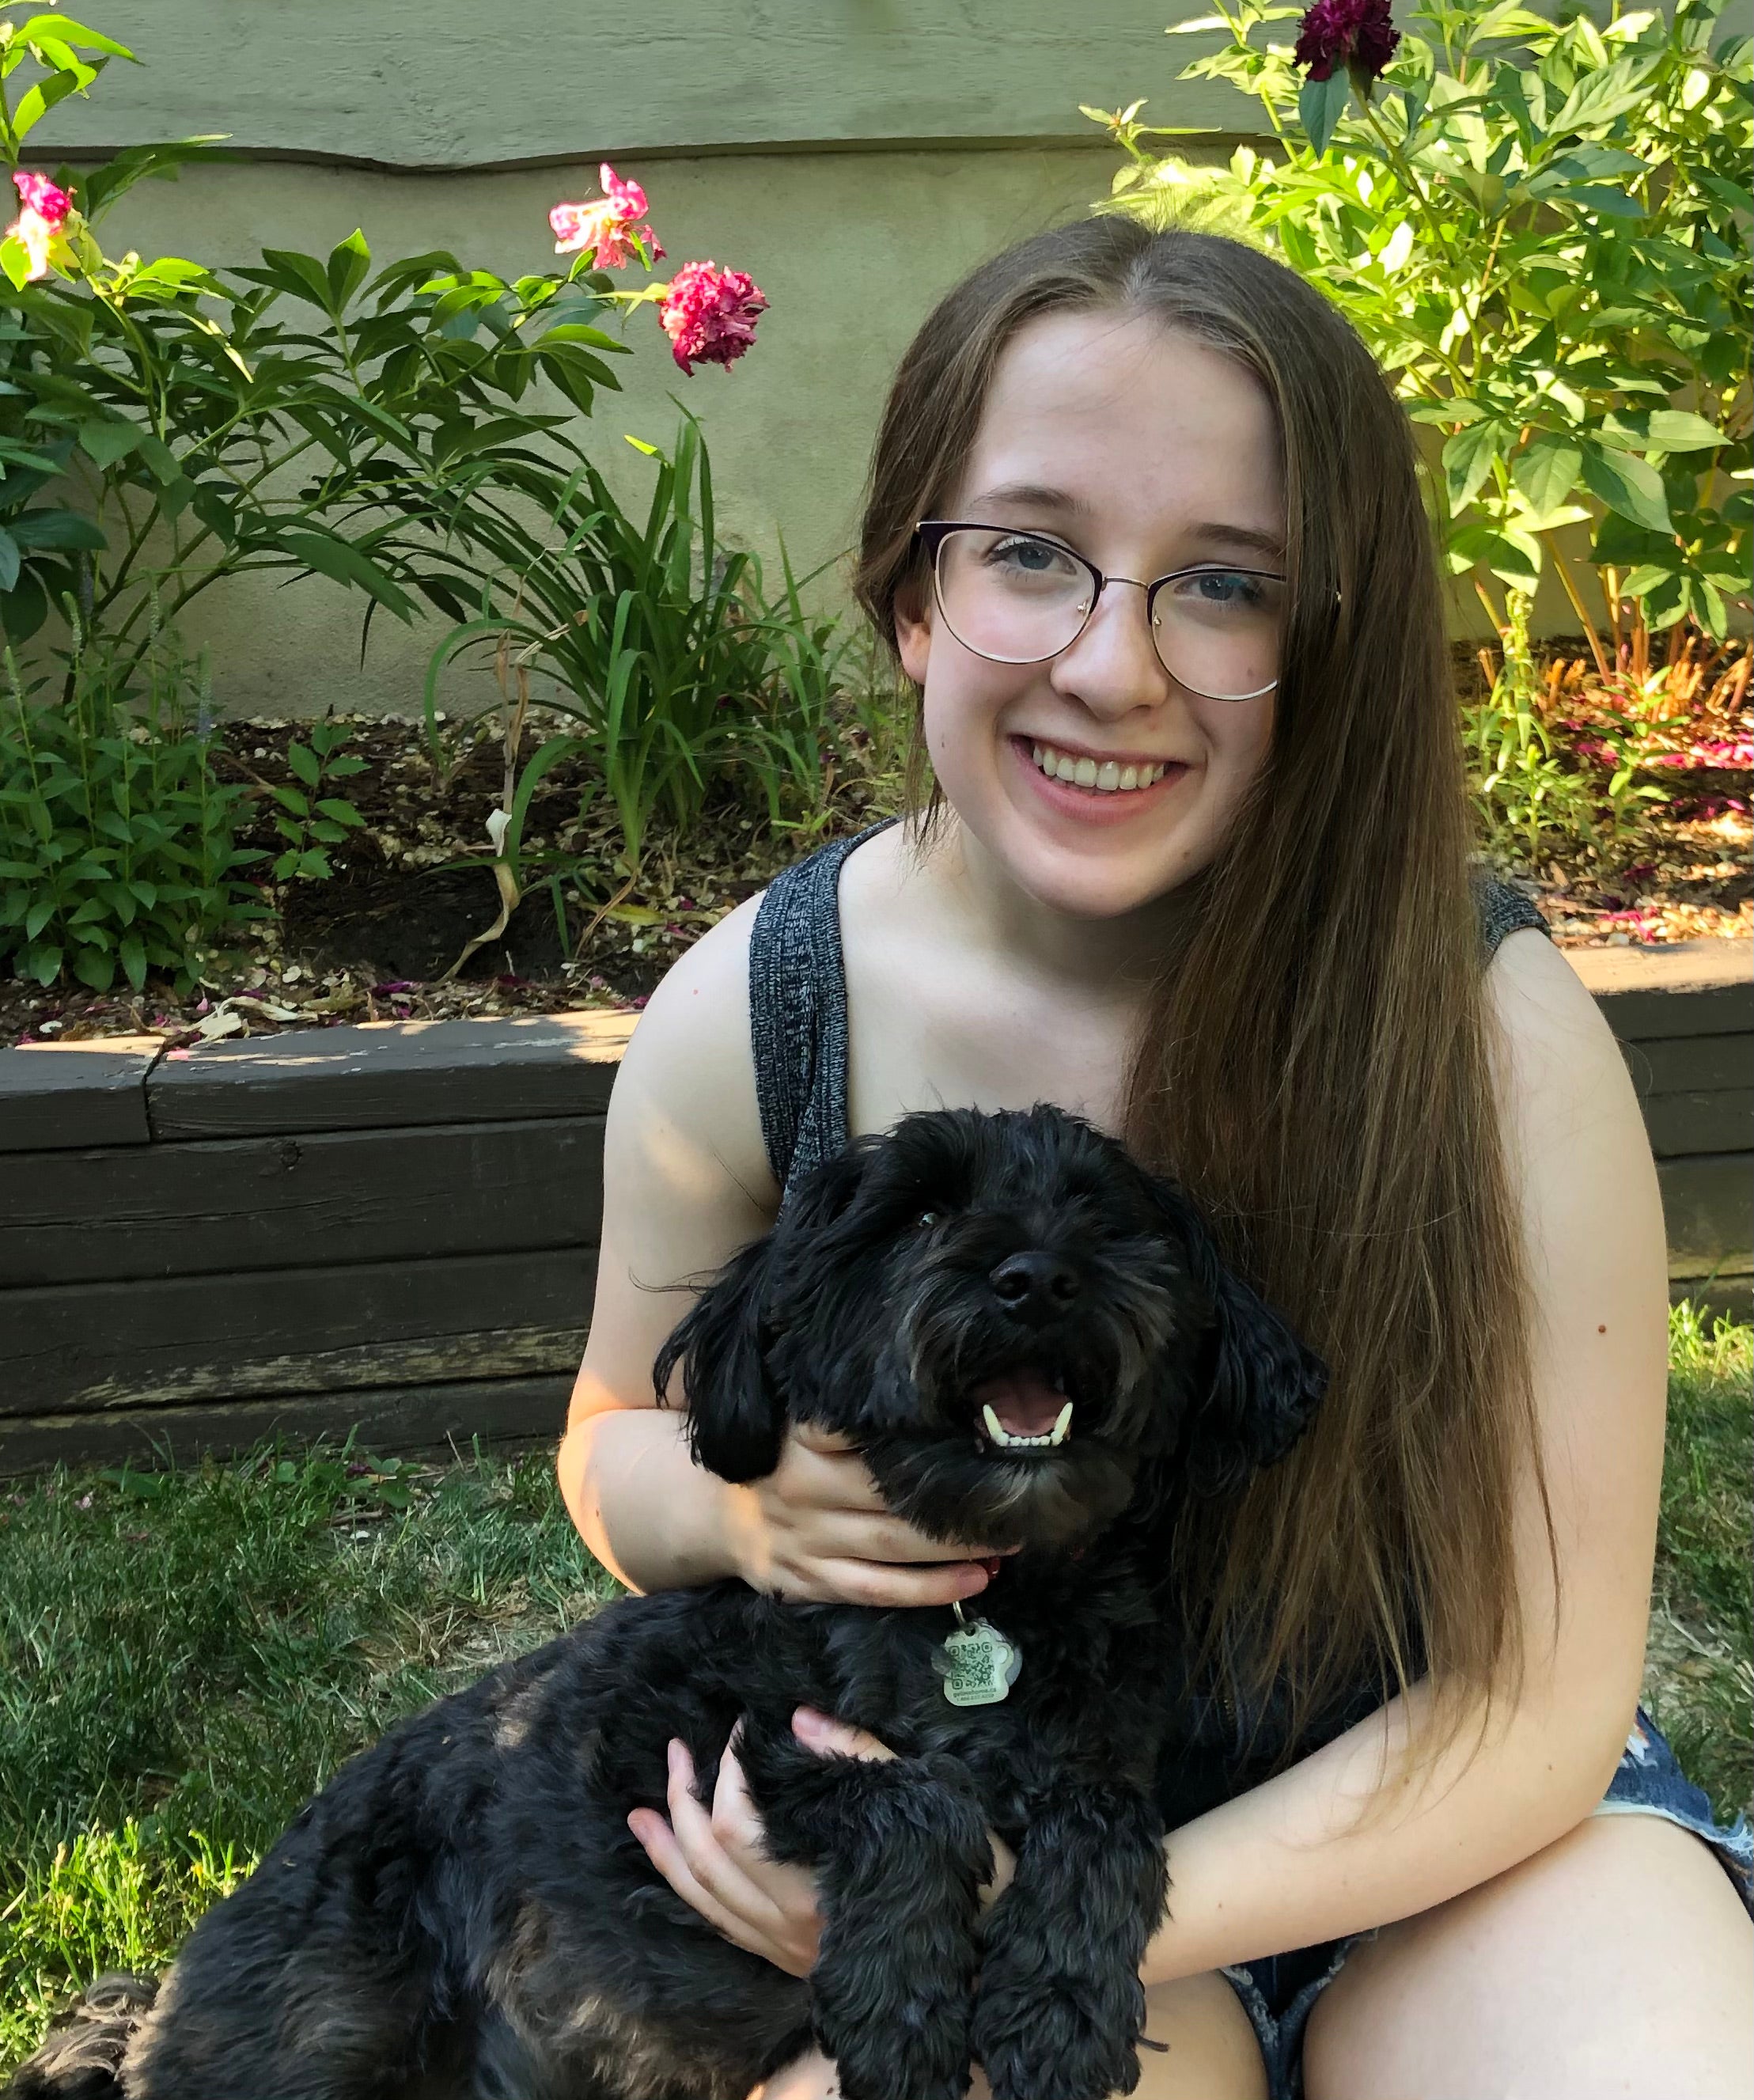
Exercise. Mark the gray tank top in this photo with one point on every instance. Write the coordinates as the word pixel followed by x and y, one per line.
pixel 798 1001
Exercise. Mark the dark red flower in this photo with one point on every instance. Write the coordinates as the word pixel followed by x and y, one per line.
pixel 1355 34
pixel 710 313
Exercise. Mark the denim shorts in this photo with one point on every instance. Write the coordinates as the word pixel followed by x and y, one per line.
pixel 1279 1992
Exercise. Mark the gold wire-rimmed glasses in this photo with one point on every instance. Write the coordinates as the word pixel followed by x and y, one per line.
pixel 1017 597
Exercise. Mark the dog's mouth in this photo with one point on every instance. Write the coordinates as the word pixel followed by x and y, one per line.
pixel 1025 1409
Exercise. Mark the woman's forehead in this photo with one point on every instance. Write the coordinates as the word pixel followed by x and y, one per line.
pixel 1088 410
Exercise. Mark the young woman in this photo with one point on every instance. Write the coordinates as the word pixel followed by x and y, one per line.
pixel 1145 536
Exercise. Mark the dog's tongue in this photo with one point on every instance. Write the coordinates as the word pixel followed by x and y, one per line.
pixel 1026 1405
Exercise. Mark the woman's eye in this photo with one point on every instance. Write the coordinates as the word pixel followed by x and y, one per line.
pixel 1030 557
pixel 1225 589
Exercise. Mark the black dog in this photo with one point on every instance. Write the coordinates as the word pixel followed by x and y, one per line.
pixel 1034 1343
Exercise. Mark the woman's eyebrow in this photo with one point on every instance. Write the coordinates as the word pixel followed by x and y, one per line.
pixel 1039 496
pixel 1035 495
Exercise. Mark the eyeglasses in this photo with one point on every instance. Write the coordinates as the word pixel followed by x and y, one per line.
pixel 1017 597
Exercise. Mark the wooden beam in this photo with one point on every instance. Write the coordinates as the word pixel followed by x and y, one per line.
pixel 58 1095
pixel 390 1075
pixel 331 1197
pixel 441 1418
pixel 156 1342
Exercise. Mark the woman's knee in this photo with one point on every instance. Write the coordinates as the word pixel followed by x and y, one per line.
pixel 1208 2052
pixel 1616 1960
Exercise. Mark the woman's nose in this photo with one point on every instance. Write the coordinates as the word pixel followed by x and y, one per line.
pixel 1113 666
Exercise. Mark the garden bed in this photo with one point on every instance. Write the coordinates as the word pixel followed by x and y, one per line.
pixel 384 937
pixel 393 1227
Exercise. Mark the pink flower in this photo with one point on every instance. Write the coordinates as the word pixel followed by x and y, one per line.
pixel 710 313
pixel 604 223
pixel 1355 34
pixel 35 232
pixel 36 193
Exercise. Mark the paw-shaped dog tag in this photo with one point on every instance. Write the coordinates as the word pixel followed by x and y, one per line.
pixel 980 1665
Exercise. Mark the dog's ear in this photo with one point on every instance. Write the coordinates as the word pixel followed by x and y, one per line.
pixel 1259 1385
pixel 737 1414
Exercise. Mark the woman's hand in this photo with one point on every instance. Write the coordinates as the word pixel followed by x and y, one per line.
pixel 715 1861
pixel 816 1530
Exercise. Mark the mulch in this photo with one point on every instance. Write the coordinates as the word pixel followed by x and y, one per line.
pixel 389 936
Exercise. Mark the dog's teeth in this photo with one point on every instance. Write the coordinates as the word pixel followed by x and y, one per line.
pixel 997 1433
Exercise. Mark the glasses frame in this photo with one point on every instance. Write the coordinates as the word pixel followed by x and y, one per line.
pixel 931 534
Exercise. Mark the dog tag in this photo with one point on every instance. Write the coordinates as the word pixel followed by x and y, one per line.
pixel 980 1665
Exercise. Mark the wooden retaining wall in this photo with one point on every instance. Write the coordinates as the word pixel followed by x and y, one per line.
pixel 394 1227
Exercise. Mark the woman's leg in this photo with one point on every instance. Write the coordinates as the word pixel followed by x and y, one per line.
pixel 1618 1960
pixel 1212 2054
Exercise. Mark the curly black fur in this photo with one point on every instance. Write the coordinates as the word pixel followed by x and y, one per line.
pixel 463 1913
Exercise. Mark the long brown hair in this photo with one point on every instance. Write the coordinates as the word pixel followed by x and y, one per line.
pixel 1314 1062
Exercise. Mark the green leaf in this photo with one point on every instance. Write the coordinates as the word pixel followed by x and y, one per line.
pixel 132 951
pixel 287 271
pixel 1468 459
pixel 43 962
pixel 56 528
pixel 9 560
pixel 303 761
pixel 1680 430
pixel 342 813
pixel 1545 472
pixel 105 441
pixel 350 264
pixel 1321 103
pixel 344 564
pixel 1628 485
pixel 64 29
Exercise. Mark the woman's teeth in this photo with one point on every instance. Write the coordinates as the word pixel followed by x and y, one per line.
pixel 997 1433
pixel 1109 778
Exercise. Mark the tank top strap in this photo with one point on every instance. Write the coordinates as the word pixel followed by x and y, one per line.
pixel 1503 909
pixel 798 1011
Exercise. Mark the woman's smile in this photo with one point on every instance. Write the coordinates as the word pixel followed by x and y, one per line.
pixel 1095 801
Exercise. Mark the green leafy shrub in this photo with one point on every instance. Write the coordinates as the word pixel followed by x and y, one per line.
pixel 1541 228
pixel 667 651
pixel 118 843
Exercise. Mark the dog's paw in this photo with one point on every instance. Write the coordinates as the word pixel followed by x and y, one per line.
pixel 1076 2043
pixel 887 2044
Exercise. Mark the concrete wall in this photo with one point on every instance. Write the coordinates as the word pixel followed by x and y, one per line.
pixel 855 156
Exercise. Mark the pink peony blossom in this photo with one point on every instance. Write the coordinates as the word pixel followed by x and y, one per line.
pixel 36 193
pixel 710 313
pixel 604 223
pixel 1355 34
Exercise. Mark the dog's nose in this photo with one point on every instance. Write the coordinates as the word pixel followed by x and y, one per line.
pixel 1039 1287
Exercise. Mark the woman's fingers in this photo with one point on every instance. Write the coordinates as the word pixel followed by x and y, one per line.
pixel 876 1583
pixel 823 1732
pixel 666 1855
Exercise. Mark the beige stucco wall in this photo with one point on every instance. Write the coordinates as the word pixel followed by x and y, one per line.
pixel 855 156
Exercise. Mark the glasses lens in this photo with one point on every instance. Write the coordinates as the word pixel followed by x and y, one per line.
pixel 1009 596
pixel 1218 631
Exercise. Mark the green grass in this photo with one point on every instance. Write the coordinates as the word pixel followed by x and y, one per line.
pixel 1700 1675
pixel 186 1657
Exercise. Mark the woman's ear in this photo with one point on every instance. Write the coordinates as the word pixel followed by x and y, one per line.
pixel 1258 1385
pixel 913 636
pixel 736 1419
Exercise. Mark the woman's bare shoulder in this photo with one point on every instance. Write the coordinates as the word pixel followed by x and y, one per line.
pixel 689 1064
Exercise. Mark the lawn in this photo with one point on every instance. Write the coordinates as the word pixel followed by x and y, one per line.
pixel 185 1658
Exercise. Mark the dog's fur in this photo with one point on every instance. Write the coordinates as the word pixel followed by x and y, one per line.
pixel 464 1914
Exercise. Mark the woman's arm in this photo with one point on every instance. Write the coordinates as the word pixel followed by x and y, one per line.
pixel 1289 1863
pixel 685 1183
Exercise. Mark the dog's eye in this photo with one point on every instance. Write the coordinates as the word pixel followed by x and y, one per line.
pixel 926 1218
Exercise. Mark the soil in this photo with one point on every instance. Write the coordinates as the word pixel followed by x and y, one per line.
pixel 390 935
